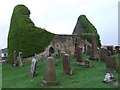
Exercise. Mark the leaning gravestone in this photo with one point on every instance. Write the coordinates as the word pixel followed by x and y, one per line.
pixel 50 76
pixel 33 67
pixel 66 64
pixel 111 63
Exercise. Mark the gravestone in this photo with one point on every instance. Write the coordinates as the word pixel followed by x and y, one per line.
pixel 94 53
pixel 79 60
pixel 103 54
pixel 117 49
pixel 50 76
pixel 110 48
pixel 66 64
pixel 19 59
pixel 88 50
pixel 15 62
pixel 62 54
pixel 111 63
pixel 33 67
pixel 88 63
pixel 79 54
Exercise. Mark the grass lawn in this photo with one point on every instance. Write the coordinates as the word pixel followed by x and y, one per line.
pixel 82 77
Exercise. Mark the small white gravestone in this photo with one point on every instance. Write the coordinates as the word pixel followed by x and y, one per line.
pixel 33 66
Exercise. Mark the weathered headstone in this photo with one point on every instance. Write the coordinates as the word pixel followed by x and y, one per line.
pixel 111 63
pixel 33 67
pixel 50 76
pixel 79 60
pixel 66 64
pixel 79 54
pixel 19 59
pixel 15 63
pixel 117 49
pixel 88 50
pixel 94 55
pixel 103 54
pixel 110 48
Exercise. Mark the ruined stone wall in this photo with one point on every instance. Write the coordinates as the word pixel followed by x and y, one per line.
pixel 60 44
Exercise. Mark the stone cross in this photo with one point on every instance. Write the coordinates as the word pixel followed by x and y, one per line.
pixel 66 64
pixel 50 76
pixel 33 67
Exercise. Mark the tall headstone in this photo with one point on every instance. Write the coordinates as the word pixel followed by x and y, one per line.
pixel 66 64
pixel 111 63
pixel 88 50
pixel 50 76
pixel 79 54
pixel 15 63
pixel 94 48
pixel 103 54
pixel 33 67
pixel 110 48
pixel 19 59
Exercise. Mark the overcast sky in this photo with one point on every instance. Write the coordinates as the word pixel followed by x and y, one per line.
pixel 60 16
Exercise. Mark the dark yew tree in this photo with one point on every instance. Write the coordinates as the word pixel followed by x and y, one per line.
pixel 24 36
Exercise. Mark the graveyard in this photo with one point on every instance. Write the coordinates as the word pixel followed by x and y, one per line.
pixel 38 58
pixel 82 77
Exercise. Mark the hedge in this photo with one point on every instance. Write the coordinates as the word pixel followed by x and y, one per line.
pixel 24 36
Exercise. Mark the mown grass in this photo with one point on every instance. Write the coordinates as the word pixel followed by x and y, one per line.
pixel 82 77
